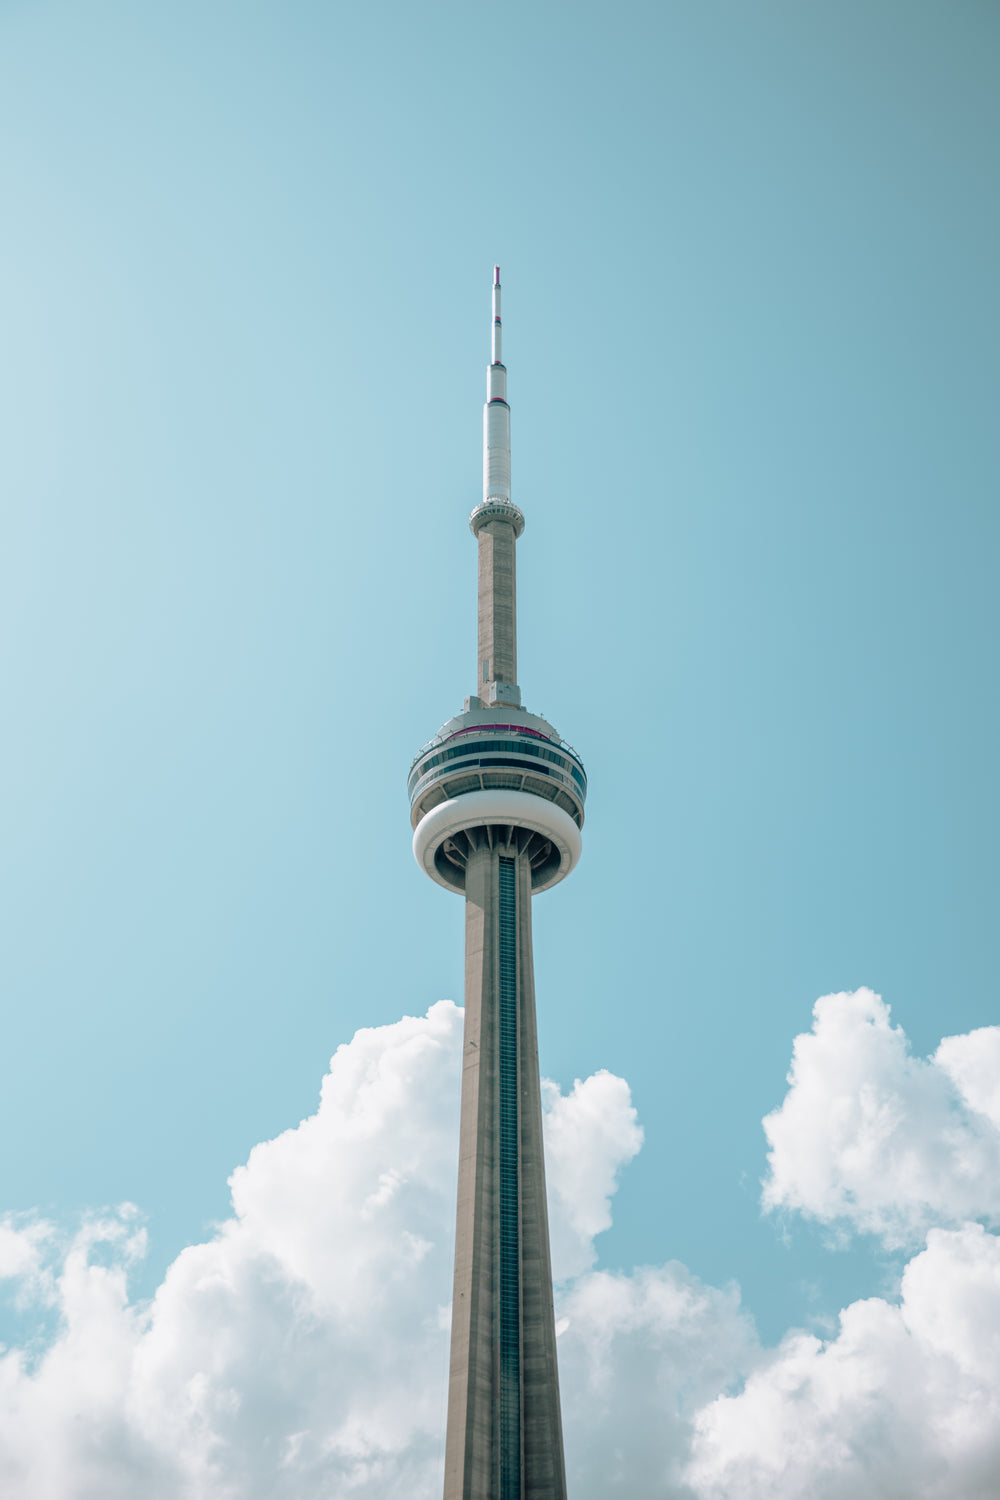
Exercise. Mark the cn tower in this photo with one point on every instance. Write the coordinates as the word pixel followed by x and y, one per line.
pixel 496 803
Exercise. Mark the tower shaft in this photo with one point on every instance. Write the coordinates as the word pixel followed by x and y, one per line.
pixel 497 613
pixel 504 1427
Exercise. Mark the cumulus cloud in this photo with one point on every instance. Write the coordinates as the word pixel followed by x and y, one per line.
pixel 22 1245
pixel 303 1350
pixel 638 1355
pixel 891 1143
pixel 590 1134
pixel 904 1404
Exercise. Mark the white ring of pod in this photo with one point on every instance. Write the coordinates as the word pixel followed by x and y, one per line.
pixel 497 807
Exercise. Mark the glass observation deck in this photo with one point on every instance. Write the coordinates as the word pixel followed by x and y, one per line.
pixel 479 756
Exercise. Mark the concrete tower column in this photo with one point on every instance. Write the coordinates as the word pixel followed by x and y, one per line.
pixel 504 1425
pixel 497 804
pixel 497 609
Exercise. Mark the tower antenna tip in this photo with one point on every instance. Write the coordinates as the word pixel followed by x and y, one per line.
pixel 496 275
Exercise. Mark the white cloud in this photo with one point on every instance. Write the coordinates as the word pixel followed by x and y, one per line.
pixel 904 1404
pixel 905 1400
pixel 590 1134
pixel 303 1350
pixel 638 1355
pixel 22 1250
pixel 972 1062
pixel 889 1142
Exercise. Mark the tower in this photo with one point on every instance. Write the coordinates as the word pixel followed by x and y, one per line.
pixel 496 803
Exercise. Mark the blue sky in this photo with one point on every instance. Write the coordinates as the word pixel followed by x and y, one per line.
pixel 751 320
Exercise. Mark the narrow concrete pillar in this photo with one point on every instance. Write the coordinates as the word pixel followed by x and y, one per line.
pixel 504 1438
pixel 497 606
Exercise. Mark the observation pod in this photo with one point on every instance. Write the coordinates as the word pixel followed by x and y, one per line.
pixel 497 806
pixel 481 783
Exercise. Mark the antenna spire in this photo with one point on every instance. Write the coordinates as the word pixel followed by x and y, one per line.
pixel 497 356
pixel 496 414
pixel 497 523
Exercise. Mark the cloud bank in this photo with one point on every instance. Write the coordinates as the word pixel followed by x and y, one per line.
pixel 302 1351
pixel 888 1143
pixel 903 1403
